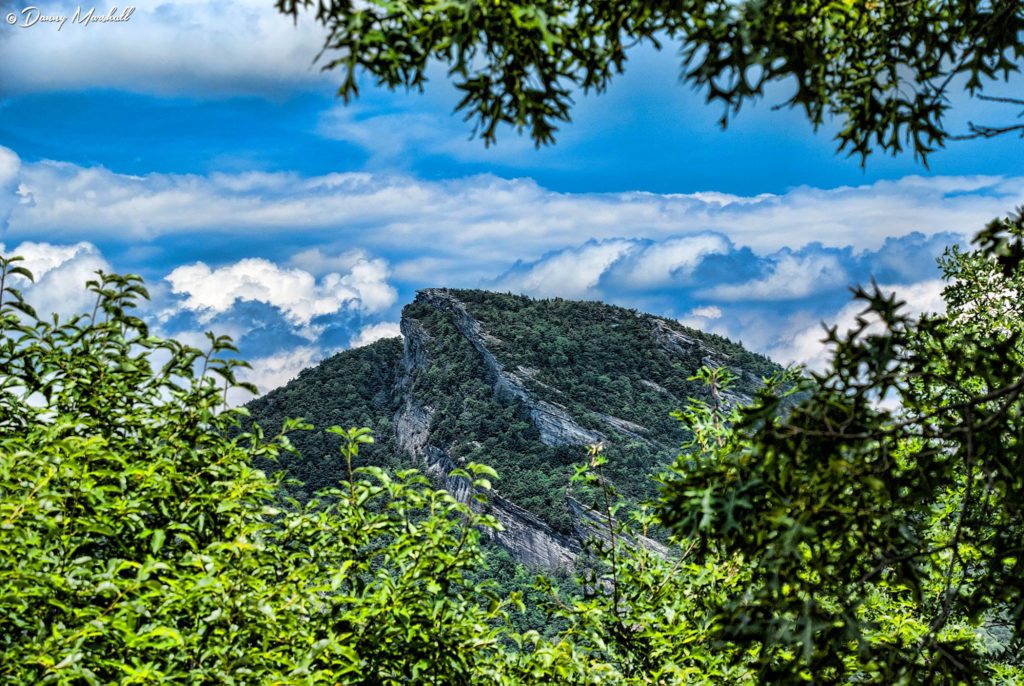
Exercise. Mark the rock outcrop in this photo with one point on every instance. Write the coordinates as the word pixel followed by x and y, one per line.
pixel 553 421
pixel 529 538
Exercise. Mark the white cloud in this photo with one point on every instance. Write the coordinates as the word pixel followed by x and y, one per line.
pixel 568 273
pixel 41 258
pixel 805 345
pixel 60 273
pixel 484 218
pixel 615 264
pixel 374 332
pixel 184 47
pixel 791 277
pixel 707 312
pixel 297 293
pixel 665 262
pixel 368 278
pixel 272 371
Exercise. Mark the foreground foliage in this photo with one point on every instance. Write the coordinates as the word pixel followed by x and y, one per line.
pixel 887 72
pixel 139 545
pixel 882 516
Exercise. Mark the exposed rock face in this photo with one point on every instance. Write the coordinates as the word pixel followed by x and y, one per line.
pixel 529 538
pixel 555 424
pixel 593 524
pixel 624 427
pixel 412 421
pixel 670 339
pixel 679 343
pixel 557 427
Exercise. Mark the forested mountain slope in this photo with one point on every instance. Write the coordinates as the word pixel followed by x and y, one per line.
pixel 520 384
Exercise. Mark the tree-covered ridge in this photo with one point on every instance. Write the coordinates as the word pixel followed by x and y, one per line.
pixel 470 422
pixel 617 372
pixel 607 360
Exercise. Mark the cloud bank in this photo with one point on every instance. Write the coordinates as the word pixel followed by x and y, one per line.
pixel 483 217
pixel 60 273
pixel 188 47
pixel 296 293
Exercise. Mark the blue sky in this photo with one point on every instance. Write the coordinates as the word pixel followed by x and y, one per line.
pixel 196 145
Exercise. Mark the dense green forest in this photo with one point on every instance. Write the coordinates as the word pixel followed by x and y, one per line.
pixel 595 359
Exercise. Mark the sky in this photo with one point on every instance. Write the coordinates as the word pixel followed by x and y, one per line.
pixel 198 144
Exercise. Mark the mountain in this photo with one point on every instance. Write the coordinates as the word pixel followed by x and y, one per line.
pixel 522 385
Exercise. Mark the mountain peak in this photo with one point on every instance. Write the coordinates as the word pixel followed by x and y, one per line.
pixel 523 385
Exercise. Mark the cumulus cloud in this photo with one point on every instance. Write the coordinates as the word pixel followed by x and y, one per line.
pixel 699 272
pixel 299 295
pixel 266 308
pixel 60 273
pixel 40 258
pixel 662 263
pixel 612 266
pixel 568 273
pixel 806 344
pixel 271 371
pixel 483 217
pixel 184 47
pixel 374 332
pixel 789 277
pixel 368 278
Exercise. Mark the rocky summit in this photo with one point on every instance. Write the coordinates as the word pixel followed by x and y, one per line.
pixel 522 385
